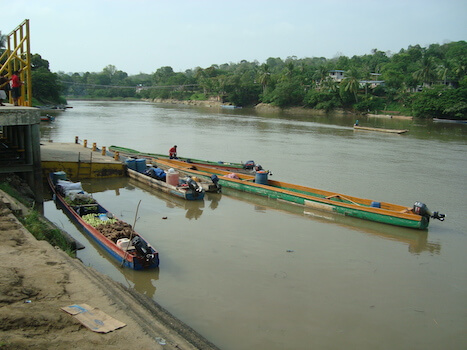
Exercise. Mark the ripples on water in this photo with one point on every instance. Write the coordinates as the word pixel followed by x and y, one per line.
pixel 250 273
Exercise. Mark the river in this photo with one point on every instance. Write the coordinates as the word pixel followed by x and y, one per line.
pixel 251 273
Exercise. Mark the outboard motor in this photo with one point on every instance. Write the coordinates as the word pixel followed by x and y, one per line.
pixel 193 185
pixel 422 210
pixel 215 181
pixel 142 248
pixel 258 167
pixel 249 165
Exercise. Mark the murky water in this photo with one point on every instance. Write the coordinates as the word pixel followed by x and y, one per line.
pixel 250 273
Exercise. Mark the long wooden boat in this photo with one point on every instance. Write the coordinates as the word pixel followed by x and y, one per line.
pixel 238 167
pixel 128 248
pixel 393 131
pixel 187 190
pixel 418 216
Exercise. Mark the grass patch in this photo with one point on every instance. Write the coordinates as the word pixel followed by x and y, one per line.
pixel 7 188
pixel 42 231
pixel 37 225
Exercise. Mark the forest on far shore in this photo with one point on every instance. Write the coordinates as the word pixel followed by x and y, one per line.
pixel 424 82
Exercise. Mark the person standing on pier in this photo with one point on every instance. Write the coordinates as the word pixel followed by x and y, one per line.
pixel 16 87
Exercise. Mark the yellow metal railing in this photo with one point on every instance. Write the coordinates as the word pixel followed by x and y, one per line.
pixel 17 57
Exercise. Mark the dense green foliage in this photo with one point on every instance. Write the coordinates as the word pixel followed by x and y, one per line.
pixel 46 88
pixel 425 82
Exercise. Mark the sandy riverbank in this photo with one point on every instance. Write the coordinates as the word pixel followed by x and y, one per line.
pixel 37 280
pixel 267 108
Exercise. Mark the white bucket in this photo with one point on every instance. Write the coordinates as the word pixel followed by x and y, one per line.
pixel 124 244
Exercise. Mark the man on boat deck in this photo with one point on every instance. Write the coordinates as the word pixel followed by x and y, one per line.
pixel 173 152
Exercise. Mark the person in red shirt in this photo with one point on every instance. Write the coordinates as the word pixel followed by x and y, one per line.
pixel 173 152
pixel 16 87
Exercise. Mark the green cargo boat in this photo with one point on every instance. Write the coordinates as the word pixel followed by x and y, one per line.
pixel 418 216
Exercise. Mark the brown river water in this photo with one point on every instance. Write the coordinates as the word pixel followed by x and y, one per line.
pixel 251 273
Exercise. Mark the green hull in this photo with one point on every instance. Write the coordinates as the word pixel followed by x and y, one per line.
pixel 317 202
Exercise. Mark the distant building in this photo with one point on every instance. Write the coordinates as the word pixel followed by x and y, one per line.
pixel 371 83
pixel 337 75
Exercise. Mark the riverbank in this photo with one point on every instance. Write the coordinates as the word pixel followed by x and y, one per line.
pixel 37 280
pixel 268 108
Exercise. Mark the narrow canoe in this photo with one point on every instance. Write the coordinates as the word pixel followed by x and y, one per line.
pixel 393 131
pixel 181 191
pixel 417 216
pixel 239 167
pixel 137 254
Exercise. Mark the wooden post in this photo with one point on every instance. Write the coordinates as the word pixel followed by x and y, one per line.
pixel 85 143
pixel 103 150
pixel 94 147
pixel 76 139
pixel 117 155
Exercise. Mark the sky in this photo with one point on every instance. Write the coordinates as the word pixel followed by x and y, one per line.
pixel 140 36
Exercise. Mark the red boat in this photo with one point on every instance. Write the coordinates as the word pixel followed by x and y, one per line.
pixel 131 250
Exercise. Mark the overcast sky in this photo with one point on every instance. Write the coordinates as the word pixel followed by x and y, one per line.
pixel 140 36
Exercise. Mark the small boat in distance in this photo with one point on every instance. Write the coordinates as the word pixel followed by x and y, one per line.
pixel 392 131
pixel 113 235
pixel 366 128
pixel 47 118
pixel 230 107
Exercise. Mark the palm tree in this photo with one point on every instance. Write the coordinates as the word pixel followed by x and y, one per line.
pixel 427 73
pixel 351 83
pixel 264 76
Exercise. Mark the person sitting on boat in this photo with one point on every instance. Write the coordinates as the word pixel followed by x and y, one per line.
pixel 173 152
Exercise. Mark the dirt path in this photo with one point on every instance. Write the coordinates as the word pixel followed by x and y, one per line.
pixel 36 280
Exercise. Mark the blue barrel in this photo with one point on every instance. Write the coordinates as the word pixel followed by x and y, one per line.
pixel 131 163
pixel 261 177
pixel 376 204
pixel 141 165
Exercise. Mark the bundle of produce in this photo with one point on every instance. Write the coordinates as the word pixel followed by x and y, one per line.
pixel 116 230
pixel 95 220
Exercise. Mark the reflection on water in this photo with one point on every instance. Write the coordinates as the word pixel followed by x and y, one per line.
pixel 417 240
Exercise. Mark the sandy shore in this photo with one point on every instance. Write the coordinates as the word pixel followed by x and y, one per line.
pixel 37 280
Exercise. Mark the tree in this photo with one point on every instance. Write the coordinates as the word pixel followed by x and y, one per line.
pixel 2 40
pixel 351 83
pixel 427 72
pixel 264 76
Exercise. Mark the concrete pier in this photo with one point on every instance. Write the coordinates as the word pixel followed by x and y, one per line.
pixel 78 161
pixel 19 145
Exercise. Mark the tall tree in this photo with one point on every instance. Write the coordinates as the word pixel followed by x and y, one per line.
pixel 264 76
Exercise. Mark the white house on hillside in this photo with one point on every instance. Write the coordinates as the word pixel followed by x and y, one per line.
pixel 337 75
